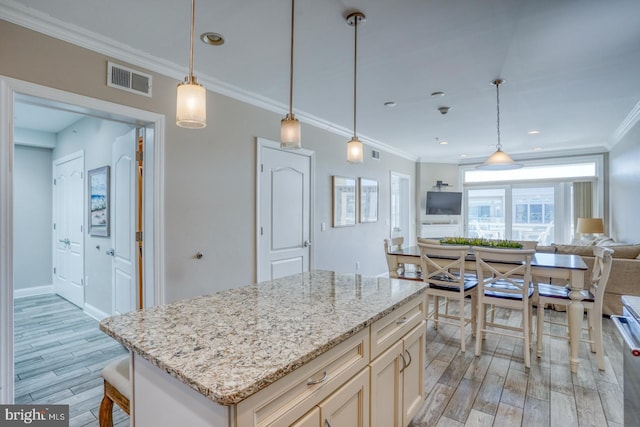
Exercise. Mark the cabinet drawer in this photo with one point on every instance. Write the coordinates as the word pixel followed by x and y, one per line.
pixel 291 397
pixel 387 331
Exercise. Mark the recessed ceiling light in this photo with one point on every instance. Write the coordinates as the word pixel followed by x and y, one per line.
pixel 533 132
pixel 463 155
pixel 444 142
pixel 390 104
pixel 438 93
pixel 214 39
pixel 537 149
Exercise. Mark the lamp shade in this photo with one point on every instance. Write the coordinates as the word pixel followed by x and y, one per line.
pixel 590 226
pixel 290 132
pixel 355 151
pixel 499 161
pixel 191 105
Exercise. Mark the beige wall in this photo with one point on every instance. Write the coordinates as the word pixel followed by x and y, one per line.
pixel 624 188
pixel 210 173
pixel 427 176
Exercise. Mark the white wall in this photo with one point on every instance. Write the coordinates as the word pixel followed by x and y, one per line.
pixel 210 182
pixel 32 218
pixel 624 188
pixel 96 138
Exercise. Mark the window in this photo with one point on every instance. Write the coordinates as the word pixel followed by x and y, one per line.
pixel 532 203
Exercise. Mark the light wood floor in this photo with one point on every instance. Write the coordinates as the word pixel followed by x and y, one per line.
pixel 59 353
pixel 495 389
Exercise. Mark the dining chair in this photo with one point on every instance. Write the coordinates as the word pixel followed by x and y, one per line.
pixel 393 244
pixel 504 280
pixel 444 273
pixel 401 271
pixel 593 295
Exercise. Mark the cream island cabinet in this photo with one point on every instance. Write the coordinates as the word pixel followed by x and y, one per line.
pixel 318 349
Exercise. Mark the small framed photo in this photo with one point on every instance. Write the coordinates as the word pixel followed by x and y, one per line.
pixel 368 200
pixel 99 201
pixel 344 201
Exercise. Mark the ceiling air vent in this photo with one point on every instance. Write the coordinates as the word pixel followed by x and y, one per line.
pixel 124 78
pixel 375 154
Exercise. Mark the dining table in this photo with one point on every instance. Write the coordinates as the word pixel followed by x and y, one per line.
pixel 569 267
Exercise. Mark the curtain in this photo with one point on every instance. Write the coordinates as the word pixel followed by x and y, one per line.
pixel 582 201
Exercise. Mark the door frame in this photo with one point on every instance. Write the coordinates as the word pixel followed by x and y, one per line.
pixel 411 232
pixel 266 143
pixel 153 202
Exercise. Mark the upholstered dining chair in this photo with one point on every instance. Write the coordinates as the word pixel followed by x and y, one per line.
pixel 117 388
pixel 443 272
pixel 504 280
pixel 593 296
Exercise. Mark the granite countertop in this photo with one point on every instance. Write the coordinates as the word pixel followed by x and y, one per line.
pixel 229 345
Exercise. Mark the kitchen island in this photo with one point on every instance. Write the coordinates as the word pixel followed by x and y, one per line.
pixel 317 348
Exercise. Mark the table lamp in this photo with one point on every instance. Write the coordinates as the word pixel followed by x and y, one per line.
pixel 590 226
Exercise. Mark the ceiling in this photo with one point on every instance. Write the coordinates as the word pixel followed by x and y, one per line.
pixel 572 67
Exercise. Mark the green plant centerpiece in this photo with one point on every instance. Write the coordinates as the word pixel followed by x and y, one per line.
pixel 510 244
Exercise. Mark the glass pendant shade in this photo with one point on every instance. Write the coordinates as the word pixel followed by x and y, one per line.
pixel 290 132
pixel 355 151
pixel 499 161
pixel 191 105
pixel 191 99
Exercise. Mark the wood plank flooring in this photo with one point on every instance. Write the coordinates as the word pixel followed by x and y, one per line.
pixel 495 389
pixel 59 353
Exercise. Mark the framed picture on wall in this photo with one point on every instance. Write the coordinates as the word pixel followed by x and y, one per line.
pixel 344 201
pixel 99 201
pixel 368 200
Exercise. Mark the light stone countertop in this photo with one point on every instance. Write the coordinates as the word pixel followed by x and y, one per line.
pixel 229 345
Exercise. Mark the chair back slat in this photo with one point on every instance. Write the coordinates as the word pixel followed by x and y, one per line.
pixel 506 269
pixel 443 265
pixel 600 273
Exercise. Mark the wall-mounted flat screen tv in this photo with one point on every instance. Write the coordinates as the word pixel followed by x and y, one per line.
pixel 444 202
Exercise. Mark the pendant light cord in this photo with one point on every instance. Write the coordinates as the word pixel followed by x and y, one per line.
pixel 497 83
pixel 291 64
pixel 355 74
pixel 193 19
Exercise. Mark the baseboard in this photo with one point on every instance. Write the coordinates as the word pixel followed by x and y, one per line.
pixel 94 312
pixel 35 290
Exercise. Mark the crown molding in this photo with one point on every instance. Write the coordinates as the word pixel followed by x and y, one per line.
pixel 53 27
pixel 627 124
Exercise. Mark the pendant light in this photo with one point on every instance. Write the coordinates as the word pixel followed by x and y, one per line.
pixel 498 160
pixel 290 126
pixel 355 150
pixel 191 101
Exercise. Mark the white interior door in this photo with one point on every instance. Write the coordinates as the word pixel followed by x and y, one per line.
pixel 68 220
pixel 123 208
pixel 284 193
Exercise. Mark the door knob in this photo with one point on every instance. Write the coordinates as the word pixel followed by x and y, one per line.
pixel 111 252
pixel 307 243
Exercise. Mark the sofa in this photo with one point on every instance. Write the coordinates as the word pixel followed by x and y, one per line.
pixel 624 278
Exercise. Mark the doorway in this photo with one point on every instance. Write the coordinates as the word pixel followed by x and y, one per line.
pixel 400 206
pixel 12 90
